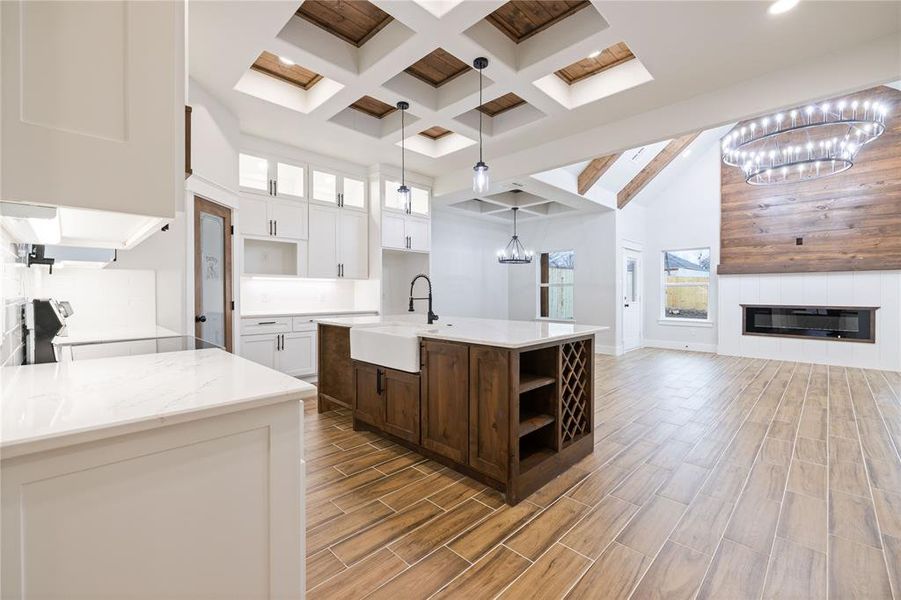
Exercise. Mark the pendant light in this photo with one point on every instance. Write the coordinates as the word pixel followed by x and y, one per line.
pixel 514 253
pixel 480 181
pixel 403 191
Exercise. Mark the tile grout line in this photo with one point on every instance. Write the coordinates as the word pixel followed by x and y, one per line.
pixel 866 466
pixel 788 471
pixel 744 484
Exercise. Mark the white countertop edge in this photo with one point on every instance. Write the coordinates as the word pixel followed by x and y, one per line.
pixel 515 346
pixel 42 443
pixel 113 335
pixel 309 313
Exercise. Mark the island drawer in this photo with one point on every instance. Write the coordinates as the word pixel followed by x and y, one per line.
pixel 304 324
pixel 265 325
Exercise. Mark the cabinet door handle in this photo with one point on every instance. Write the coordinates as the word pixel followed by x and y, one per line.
pixel 283 341
pixel 276 226
pixel 378 382
pixel 275 187
pixel 341 268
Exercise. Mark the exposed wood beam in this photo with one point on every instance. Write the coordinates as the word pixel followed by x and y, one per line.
pixel 597 167
pixel 653 168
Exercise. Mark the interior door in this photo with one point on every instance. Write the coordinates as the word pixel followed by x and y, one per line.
pixel 632 312
pixel 323 261
pixel 212 273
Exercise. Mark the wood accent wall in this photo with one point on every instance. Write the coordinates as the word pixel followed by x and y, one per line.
pixel 846 222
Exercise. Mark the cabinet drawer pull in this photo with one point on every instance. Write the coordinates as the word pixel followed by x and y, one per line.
pixel 266 323
pixel 378 382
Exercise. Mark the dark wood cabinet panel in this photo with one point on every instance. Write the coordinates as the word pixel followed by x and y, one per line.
pixel 489 410
pixel 445 395
pixel 336 381
pixel 401 404
pixel 368 400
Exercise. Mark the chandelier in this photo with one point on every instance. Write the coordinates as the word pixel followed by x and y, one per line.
pixel 514 253
pixel 804 144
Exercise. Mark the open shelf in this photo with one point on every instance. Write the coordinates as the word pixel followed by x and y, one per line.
pixel 532 422
pixel 534 458
pixel 529 382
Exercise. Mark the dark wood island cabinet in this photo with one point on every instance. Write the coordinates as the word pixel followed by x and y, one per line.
pixel 512 418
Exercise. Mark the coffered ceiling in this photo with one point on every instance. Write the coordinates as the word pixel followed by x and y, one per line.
pixel 561 86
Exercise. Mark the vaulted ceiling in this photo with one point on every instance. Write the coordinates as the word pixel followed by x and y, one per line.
pixel 561 85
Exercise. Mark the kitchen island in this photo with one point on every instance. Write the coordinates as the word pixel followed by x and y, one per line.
pixel 161 475
pixel 509 403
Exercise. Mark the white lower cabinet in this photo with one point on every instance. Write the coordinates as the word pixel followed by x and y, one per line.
pixel 405 232
pixel 290 353
pixel 260 349
pixel 339 243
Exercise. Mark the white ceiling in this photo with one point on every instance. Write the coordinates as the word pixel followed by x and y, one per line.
pixel 711 63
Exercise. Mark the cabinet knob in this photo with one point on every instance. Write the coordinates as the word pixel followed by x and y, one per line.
pixel 200 319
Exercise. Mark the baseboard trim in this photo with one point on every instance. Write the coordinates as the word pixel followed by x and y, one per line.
pixel 690 346
pixel 608 350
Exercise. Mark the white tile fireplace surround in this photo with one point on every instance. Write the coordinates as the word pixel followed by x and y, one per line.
pixel 863 288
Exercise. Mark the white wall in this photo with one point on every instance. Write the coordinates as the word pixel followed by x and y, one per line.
pixel 467 280
pixel 864 288
pixel 398 270
pixel 682 212
pixel 593 239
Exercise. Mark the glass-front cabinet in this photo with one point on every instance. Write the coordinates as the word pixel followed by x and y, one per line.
pixel 268 176
pixel 337 189
pixel 420 199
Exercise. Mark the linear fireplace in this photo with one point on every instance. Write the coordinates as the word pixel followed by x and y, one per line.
pixel 841 323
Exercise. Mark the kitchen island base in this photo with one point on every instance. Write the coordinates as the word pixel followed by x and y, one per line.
pixel 512 418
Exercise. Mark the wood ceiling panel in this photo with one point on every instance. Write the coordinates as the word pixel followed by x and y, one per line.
pixel 501 104
pixel 610 57
pixel 653 168
pixel 373 107
pixel 595 170
pixel 354 21
pixel 521 19
pixel 435 132
pixel 437 67
pixel 269 64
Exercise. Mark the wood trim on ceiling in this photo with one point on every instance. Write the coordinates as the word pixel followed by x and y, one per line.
pixel 435 132
pixel 594 170
pixel 610 57
pixel 437 67
pixel 521 19
pixel 269 64
pixel 653 168
pixel 355 21
pixel 501 104
pixel 373 107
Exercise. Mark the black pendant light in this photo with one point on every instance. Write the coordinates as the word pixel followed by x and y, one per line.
pixel 403 191
pixel 514 253
pixel 480 181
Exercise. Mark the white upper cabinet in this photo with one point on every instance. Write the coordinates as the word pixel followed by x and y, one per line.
pixel 336 189
pixel 93 105
pixel 259 174
pixel 253 174
pixel 273 218
pixel 420 199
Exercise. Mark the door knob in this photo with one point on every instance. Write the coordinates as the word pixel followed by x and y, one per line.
pixel 200 319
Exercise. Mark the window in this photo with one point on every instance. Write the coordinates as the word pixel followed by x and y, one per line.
pixel 555 285
pixel 686 283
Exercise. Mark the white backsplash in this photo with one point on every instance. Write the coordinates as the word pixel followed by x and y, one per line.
pixel 276 295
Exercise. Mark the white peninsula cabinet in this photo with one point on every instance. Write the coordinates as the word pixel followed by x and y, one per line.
pixel 173 475
pixel 93 105
pixel 406 226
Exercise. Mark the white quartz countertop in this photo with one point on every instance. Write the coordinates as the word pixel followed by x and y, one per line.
pixel 113 334
pixel 304 313
pixel 488 332
pixel 58 404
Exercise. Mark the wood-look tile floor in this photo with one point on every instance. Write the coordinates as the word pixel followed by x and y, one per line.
pixel 711 477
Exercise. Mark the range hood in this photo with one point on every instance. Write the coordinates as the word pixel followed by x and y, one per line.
pixel 64 226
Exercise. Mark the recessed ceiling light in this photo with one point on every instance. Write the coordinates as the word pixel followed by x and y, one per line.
pixel 782 6
pixel 594 54
pixel 288 62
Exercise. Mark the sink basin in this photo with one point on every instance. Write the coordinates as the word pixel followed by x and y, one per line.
pixel 391 346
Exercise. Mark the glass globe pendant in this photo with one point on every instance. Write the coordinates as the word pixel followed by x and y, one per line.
pixel 480 180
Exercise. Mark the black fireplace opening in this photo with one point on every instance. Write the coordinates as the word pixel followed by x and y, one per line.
pixel 841 323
